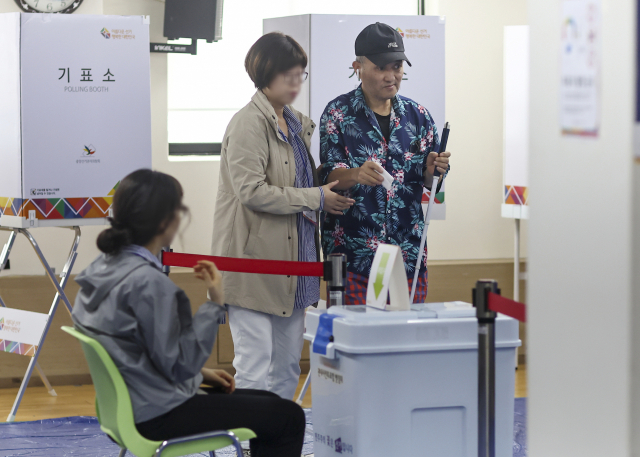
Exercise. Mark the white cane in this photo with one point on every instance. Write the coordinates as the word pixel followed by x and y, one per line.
pixel 427 218
pixel 303 392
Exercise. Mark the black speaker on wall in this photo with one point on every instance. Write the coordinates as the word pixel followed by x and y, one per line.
pixel 196 19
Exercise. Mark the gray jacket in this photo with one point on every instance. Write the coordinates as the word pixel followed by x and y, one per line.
pixel 144 322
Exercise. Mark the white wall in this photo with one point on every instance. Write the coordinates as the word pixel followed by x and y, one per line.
pixel 579 331
pixel 474 228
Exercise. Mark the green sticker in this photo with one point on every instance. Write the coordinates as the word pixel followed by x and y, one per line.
pixel 377 286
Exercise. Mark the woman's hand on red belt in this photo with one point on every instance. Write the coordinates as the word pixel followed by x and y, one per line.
pixel 209 273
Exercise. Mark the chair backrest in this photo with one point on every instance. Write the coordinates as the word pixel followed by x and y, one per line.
pixel 113 404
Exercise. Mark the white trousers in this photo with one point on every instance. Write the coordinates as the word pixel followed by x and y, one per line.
pixel 267 350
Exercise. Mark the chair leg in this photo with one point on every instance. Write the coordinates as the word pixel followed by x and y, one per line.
pixel 122 452
pixel 237 446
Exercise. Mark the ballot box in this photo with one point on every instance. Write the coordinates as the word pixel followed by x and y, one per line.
pixel 75 115
pixel 406 382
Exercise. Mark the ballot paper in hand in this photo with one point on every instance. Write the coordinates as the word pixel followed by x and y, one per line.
pixel 388 179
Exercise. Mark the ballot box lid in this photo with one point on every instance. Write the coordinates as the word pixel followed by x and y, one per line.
pixel 426 327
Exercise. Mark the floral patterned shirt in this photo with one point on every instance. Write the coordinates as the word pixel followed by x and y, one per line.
pixel 350 136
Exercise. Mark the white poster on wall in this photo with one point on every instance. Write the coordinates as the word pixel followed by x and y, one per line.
pixel 580 67
pixel 331 72
pixel 85 113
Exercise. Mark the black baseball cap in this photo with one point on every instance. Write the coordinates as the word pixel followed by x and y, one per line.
pixel 381 44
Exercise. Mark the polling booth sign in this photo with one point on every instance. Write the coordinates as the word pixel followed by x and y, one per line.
pixel 76 119
pixel 76 115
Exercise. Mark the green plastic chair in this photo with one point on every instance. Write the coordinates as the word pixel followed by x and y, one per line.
pixel 115 414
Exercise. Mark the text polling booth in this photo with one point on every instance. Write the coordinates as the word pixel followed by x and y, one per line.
pixel 515 202
pixel 329 42
pixel 76 117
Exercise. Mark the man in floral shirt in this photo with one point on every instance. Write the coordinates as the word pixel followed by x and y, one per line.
pixel 363 132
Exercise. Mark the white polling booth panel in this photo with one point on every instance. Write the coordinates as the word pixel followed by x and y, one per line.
pixel 329 41
pixel 75 114
pixel 515 202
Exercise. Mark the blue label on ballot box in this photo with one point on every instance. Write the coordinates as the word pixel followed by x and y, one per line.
pixel 324 333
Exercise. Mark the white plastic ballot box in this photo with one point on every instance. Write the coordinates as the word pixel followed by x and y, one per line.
pixel 75 115
pixel 401 383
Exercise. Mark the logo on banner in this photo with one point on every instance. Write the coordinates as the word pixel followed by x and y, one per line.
pixel 421 34
pixel 88 155
pixel 10 325
pixel 118 34
pixel 44 192
pixel 89 150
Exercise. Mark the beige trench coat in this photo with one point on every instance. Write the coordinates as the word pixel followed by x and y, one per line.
pixel 257 204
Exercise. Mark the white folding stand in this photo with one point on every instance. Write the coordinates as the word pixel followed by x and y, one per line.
pixel 60 295
pixel 516 262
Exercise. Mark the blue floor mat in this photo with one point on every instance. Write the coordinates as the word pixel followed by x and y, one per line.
pixel 81 436
pixel 520 428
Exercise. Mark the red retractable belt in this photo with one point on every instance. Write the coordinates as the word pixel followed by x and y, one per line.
pixel 265 267
pixel 511 308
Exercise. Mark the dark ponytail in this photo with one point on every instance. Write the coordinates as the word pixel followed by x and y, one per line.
pixel 112 240
pixel 144 204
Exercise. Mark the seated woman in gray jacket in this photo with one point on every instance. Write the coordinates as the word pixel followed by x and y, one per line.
pixel 144 321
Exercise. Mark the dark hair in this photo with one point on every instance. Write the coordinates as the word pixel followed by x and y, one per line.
pixel 144 204
pixel 272 54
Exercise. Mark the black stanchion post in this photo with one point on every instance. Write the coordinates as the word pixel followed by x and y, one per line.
pixel 335 274
pixel 486 367
pixel 165 268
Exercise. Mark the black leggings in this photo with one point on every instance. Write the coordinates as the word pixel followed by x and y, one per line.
pixel 279 424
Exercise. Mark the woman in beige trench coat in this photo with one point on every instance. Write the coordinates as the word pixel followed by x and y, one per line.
pixel 268 207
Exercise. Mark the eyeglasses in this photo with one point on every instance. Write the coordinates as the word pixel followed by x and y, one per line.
pixel 295 78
